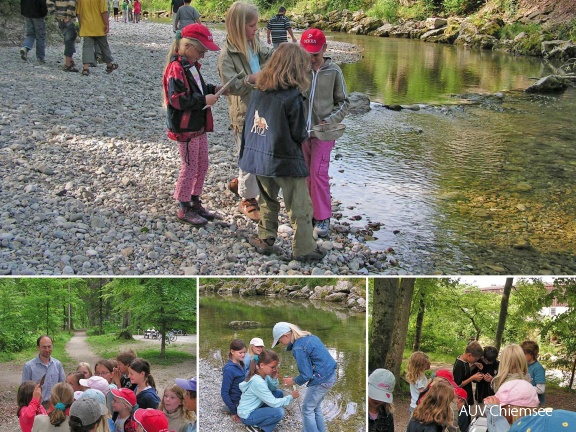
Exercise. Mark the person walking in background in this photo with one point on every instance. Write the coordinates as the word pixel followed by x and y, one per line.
pixel 115 4
pixel 34 13
pixel 137 11
pixel 186 96
pixel 535 368
pixel 94 27
pixel 380 408
pixel 277 27
pixel 44 365
pixel 64 12
pixel 316 366
pixel 186 15
pixel 327 102
pixel 242 53
pixel 271 149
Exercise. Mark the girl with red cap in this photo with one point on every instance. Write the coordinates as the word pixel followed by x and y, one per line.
pixel 188 99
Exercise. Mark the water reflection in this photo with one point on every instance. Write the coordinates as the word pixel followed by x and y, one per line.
pixel 337 329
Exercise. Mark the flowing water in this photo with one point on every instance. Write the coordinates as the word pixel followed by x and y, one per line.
pixel 473 182
pixel 342 333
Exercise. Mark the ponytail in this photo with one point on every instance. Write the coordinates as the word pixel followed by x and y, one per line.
pixel 266 356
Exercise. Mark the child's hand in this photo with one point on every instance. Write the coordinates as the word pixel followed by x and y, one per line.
pixel 487 377
pixel 37 393
pixel 492 400
pixel 478 376
pixel 211 99
pixel 295 394
pixel 236 418
pixel 225 92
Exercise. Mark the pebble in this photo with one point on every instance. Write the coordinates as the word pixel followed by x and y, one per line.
pixel 87 181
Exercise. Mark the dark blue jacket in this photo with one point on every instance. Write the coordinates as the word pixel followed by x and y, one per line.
pixel 313 360
pixel 33 8
pixel 148 398
pixel 274 129
pixel 233 375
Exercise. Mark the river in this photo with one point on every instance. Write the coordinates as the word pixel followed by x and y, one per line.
pixel 472 182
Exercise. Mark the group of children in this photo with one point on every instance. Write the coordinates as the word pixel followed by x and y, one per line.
pixel 279 96
pixel 123 387
pixel 250 379
pixel 505 391
pixel 131 10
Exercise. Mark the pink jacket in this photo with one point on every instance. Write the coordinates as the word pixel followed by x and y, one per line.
pixel 28 413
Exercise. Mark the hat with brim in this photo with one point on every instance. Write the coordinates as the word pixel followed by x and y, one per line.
pixel 151 420
pixel 125 394
pixel 257 342
pixel 201 34
pixel 88 410
pixel 381 385
pixel 518 393
pixel 279 330
pixel 546 421
pixel 447 375
pixel 186 384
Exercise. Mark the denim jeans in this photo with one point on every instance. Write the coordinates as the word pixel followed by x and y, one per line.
pixel 68 30
pixel 36 31
pixel 312 418
pixel 265 418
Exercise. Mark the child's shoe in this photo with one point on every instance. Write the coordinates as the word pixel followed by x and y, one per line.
pixel 322 227
pixel 24 53
pixel 316 255
pixel 201 211
pixel 189 216
pixel 263 246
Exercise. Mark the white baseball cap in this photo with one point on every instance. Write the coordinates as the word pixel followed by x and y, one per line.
pixel 381 385
pixel 257 342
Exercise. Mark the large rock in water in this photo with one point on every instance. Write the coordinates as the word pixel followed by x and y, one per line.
pixel 548 84
pixel 359 103
pixel 558 49
pixel 240 325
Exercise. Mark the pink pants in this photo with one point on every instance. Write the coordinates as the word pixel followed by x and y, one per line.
pixel 317 157
pixel 193 168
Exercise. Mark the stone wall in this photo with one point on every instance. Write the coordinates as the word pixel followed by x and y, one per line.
pixel 344 292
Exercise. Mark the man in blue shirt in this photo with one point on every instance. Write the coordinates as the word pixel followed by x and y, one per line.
pixel 42 365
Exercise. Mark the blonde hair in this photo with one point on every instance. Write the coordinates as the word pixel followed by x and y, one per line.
pixel 61 393
pixel 86 365
pixel 178 44
pixel 287 68
pixel 297 332
pixel 417 364
pixel 186 415
pixel 435 407
pixel 512 362
pixel 237 16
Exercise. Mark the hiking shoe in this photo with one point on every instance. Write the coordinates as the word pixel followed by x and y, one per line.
pixel 189 216
pixel 316 255
pixel 41 61
pixel 252 428
pixel 201 211
pixel 233 186
pixel 322 227
pixel 24 54
pixel 263 246
pixel 250 208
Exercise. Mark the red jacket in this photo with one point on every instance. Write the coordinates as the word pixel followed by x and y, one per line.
pixel 28 413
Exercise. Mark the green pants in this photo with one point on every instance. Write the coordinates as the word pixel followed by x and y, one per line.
pixel 298 206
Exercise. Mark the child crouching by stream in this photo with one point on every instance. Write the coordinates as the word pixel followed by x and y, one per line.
pixel 274 130
pixel 261 403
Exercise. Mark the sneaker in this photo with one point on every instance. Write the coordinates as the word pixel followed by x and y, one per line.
pixel 263 246
pixel 191 217
pixel 24 54
pixel 201 211
pixel 250 208
pixel 316 255
pixel 322 227
pixel 233 186
pixel 41 61
pixel 251 428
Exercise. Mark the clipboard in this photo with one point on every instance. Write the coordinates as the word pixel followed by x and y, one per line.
pixel 225 86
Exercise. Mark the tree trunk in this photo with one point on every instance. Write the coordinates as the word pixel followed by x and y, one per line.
pixel 572 374
pixel 163 333
pixel 391 311
pixel 503 312
pixel 419 324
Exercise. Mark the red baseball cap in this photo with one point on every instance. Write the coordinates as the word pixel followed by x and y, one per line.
pixel 461 393
pixel 201 34
pixel 446 374
pixel 126 394
pixel 312 40
pixel 152 420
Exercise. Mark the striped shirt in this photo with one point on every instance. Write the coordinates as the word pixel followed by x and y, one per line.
pixel 278 25
pixel 62 9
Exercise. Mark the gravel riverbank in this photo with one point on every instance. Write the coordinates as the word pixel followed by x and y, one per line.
pixel 88 174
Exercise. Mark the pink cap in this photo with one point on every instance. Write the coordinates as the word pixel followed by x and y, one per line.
pixel 201 34
pixel 96 382
pixel 518 393
pixel 313 40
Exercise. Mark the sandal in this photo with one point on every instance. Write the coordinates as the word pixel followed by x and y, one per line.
pixel 112 67
pixel 250 208
pixel 71 68
pixel 85 72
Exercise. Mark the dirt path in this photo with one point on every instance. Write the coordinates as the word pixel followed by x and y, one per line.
pixel 79 350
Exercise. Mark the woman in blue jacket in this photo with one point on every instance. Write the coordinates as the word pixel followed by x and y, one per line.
pixel 261 402
pixel 232 375
pixel 316 366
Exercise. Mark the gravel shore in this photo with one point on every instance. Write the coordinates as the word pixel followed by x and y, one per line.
pixel 88 174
